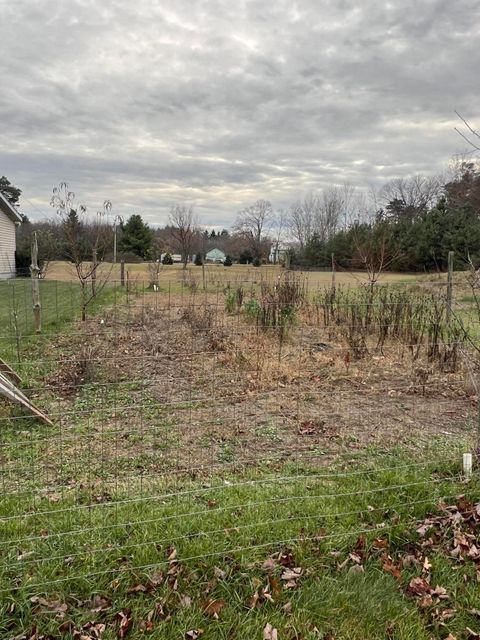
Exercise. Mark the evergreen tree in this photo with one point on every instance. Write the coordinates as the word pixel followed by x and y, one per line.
pixel 137 237
pixel 11 193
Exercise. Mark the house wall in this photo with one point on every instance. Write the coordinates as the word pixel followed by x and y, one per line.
pixel 7 247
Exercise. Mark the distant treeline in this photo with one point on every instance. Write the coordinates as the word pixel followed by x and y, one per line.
pixel 411 233
pixel 409 225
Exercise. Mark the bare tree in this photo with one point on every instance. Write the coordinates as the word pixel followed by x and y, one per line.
pixel 301 218
pixel 412 195
pixel 183 231
pixel 471 136
pixel 83 241
pixel 331 209
pixel 374 251
pixel 279 226
pixel 252 222
pixel 319 214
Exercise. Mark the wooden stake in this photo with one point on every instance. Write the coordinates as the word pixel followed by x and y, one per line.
pixel 34 273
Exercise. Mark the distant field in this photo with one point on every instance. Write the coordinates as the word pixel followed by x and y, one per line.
pixel 218 273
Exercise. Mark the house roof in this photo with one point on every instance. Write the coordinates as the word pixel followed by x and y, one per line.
pixel 9 210
pixel 215 253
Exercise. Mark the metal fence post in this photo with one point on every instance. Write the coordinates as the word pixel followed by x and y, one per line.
pixel 449 286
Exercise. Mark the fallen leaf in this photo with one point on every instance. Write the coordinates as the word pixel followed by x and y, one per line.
pixel 194 634
pixel 287 608
pixel 292 574
pixel 269 564
pixel 213 607
pixel 124 619
pixel 185 602
pixel 380 543
pixel 218 573
pixel 390 567
pixel 269 633
pixel 426 565
pixel 419 587
pixel 275 587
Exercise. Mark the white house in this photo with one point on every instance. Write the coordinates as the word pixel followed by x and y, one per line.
pixel 9 220
pixel 215 255
pixel 278 253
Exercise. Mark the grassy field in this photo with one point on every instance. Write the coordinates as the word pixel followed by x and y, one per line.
pixel 314 555
pixel 204 478
pixel 218 274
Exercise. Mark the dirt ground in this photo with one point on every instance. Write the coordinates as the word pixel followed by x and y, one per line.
pixel 178 385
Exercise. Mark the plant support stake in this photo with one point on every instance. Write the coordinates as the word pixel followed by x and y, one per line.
pixel 467 465
pixel 34 273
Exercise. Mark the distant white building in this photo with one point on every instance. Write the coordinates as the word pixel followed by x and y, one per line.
pixel 215 255
pixel 278 253
pixel 9 220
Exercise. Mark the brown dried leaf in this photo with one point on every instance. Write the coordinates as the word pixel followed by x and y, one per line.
pixel 440 592
pixel 194 634
pixel 419 587
pixel 269 564
pixel 213 607
pixel 389 566
pixel 124 619
pixel 185 602
pixel 99 603
pixel 380 543
pixel 275 587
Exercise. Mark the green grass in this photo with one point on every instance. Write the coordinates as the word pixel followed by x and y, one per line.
pixel 77 521
pixel 70 544
pixel 61 308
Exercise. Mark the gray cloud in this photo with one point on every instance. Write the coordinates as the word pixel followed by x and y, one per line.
pixel 220 103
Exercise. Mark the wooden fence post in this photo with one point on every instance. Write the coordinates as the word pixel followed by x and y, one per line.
pixel 122 272
pixel 34 273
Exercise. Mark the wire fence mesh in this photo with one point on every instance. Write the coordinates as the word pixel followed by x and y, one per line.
pixel 223 415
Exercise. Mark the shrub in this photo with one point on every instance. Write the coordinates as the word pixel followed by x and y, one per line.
pixel 228 262
pixel 256 262
pixel 234 298
pixel 198 260
pixel 230 300
pixel 167 259
pixel 252 308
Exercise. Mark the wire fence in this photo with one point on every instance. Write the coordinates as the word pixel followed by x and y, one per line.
pixel 225 415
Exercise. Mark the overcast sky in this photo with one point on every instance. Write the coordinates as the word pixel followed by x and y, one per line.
pixel 220 102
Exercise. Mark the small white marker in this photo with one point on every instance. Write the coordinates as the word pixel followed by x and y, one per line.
pixel 467 464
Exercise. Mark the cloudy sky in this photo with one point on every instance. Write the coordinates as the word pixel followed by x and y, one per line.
pixel 220 102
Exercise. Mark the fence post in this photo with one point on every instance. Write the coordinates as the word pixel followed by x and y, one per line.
pixel 34 273
pixel 122 272
pixel 449 286
pixel 333 271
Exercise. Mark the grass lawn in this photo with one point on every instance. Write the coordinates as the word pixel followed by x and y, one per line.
pixel 324 554
pixel 61 308
pixel 102 537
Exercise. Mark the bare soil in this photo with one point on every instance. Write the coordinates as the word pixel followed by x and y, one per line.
pixel 179 385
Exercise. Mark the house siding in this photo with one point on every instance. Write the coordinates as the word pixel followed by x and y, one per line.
pixel 7 247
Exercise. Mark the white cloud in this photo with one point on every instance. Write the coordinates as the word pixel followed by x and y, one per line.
pixel 219 103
